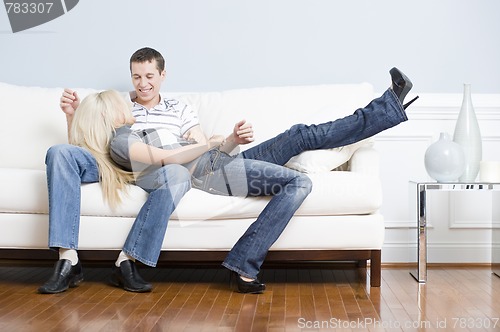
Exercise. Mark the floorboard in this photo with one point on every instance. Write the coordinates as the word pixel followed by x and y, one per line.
pixel 199 299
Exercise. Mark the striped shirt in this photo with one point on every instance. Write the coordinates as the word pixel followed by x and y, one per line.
pixel 171 114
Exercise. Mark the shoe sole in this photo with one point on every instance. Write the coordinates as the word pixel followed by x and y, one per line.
pixel 77 280
pixel 118 283
pixel 233 285
pixel 254 292
pixel 74 282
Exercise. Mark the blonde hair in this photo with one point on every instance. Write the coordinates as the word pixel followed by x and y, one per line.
pixel 92 128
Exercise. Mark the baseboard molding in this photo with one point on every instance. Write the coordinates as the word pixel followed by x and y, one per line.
pixel 438 253
pixel 436 265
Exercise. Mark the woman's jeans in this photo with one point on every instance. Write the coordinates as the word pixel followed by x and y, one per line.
pixel 255 172
pixel 221 174
pixel 380 114
pixel 68 166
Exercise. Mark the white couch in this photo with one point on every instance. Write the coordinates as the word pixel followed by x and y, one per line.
pixel 338 221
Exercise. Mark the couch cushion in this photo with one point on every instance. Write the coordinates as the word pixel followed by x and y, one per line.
pixel 31 125
pixel 333 193
pixel 272 110
pixel 304 233
pixel 318 161
pixel 33 122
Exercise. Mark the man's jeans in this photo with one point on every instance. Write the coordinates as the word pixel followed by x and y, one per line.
pixel 69 165
pixel 243 175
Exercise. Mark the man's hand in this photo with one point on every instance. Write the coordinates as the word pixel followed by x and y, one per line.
pixel 69 102
pixel 243 133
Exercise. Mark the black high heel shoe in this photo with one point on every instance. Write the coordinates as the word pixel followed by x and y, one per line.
pixel 401 84
pixel 409 103
pixel 242 286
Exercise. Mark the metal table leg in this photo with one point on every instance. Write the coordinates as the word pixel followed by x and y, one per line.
pixel 421 274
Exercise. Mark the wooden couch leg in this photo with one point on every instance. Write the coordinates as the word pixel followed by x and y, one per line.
pixel 362 264
pixel 375 268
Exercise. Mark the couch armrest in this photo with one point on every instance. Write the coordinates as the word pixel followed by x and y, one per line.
pixel 365 160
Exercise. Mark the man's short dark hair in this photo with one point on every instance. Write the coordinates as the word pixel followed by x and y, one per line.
pixel 148 54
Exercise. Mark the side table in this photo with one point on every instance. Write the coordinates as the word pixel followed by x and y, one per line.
pixel 421 216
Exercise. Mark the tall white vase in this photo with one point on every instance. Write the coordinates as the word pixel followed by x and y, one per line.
pixel 468 135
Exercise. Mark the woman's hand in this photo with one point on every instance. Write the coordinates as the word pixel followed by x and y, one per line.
pixel 243 133
pixel 69 102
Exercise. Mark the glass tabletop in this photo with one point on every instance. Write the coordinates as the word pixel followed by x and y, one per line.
pixel 458 185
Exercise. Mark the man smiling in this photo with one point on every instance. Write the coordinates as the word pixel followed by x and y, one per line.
pixel 147 77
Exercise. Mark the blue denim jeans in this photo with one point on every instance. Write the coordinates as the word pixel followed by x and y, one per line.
pixel 68 166
pixel 239 176
pixel 219 173
pixel 380 114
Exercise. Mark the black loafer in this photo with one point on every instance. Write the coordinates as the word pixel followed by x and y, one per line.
pixel 128 278
pixel 65 275
pixel 242 286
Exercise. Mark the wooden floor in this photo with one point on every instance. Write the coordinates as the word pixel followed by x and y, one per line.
pixel 199 299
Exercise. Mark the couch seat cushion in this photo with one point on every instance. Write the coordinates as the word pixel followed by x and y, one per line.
pixel 334 193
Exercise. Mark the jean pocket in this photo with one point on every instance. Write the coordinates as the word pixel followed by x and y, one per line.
pixel 211 183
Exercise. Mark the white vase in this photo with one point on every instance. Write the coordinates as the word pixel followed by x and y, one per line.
pixel 468 135
pixel 444 159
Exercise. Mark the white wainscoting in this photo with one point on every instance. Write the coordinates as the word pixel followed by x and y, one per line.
pixel 460 224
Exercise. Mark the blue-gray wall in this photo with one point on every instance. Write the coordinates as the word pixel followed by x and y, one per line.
pixel 225 44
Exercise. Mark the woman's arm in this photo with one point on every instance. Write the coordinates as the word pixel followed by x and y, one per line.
pixel 196 134
pixel 147 154
pixel 242 134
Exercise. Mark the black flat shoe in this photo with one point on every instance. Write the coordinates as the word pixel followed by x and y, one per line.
pixel 65 275
pixel 401 84
pixel 128 278
pixel 242 286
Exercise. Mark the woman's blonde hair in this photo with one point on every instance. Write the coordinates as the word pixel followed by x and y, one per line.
pixel 92 128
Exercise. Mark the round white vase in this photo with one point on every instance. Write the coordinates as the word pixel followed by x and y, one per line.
pixel 468 135
pixel 444 159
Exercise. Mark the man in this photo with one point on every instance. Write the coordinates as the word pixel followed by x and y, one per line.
pixel 68 166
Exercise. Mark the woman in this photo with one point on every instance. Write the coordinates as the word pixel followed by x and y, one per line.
pixel 212 170
pixel 255 172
